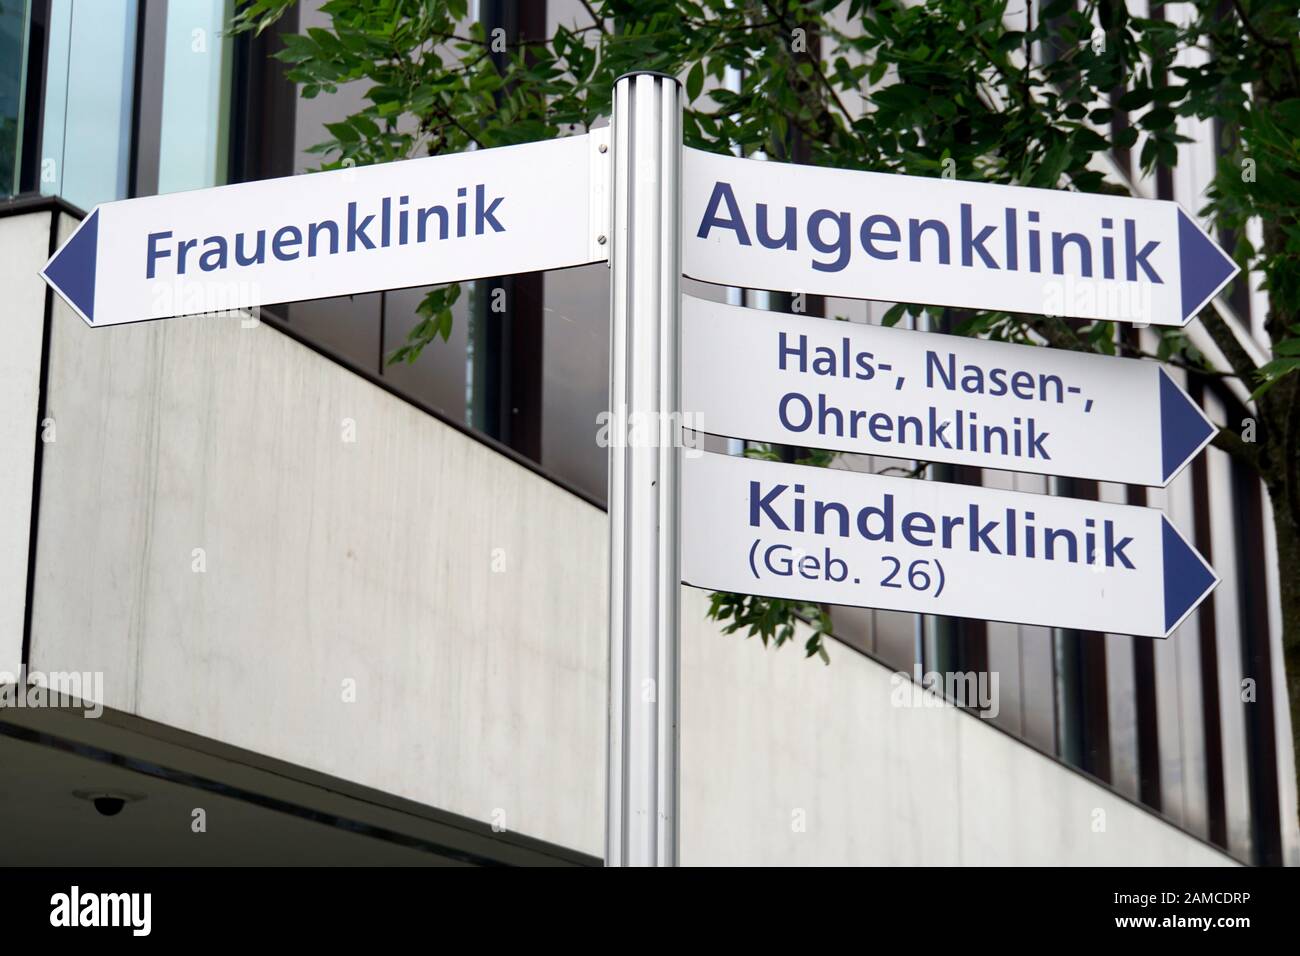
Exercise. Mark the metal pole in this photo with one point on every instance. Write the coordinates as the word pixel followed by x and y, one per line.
pixel 644 575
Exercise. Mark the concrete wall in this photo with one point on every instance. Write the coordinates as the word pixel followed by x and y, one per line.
pixel 789 761
pixel 213 542
pixel 24 247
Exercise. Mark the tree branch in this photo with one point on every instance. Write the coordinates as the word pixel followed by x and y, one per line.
pixel 599 23
pixel 1059 335
pixel 1226 439
pixel 815 64
pixel 1129 352
pixel 1250 28
pixel 1241 363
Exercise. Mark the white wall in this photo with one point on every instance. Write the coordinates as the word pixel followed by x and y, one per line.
pixel 326 561
pixel 478 688
pixel 24 244
pixel 774 742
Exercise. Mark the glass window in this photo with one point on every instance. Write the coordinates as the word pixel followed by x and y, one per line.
pixel 1230 658
pixel 86 133
pixel 575 375
pixel 14 15
pixel 195 101
pixel 1121 699
pixel 1037 665
pixel 347 326
pixel 437 378
pixel 1004 661
pixel 1180 702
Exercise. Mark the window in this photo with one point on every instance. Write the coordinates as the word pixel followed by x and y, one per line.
pixel 195 96
pixel 14 30
pixel 86 132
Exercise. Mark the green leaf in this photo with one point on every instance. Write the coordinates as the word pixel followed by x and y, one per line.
pixel 938 63
pixel 1274 372
pixel 344 132
pixel 893 315
pixel 695 81
pixel 1158 118
pixel 1135 98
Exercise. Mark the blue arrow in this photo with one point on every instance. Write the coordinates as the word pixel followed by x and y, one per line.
pixel 1204 267
pixel 72 269
pixel 1183 429
pixel 1187 577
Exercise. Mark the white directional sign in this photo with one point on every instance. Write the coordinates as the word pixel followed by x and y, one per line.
pixel 839 232
pixel 862 388
pixel 825 535
pixel 418 222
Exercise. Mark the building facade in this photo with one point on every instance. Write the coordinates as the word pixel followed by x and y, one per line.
pixel 341 610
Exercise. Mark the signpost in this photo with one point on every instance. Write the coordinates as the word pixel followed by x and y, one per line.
pixel 341 232
pixel 644 571
pixel 897 238
pixel 843 386
pixel 837 537
pixel 656 211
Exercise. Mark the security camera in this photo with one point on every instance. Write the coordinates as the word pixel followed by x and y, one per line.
pixel 107 803
pixel 109 806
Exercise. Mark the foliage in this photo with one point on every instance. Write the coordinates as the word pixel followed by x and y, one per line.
pixel 772 619
pixel 944 88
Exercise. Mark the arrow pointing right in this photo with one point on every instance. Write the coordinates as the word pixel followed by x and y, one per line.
pixel 972 245
pixel 1187 578
pixel 1204 268
pixel 866 540
pixel 1184 429
pixel 872 390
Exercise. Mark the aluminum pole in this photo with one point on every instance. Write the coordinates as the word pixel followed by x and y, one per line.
pixel 644 395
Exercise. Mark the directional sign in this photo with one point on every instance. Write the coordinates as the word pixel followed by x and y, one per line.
pixel 389 226
pixel 825 535
pixel 879 391
pixel 897 238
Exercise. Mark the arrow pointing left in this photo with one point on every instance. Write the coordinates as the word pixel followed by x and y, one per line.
pixel 390 226
pixel 71 270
